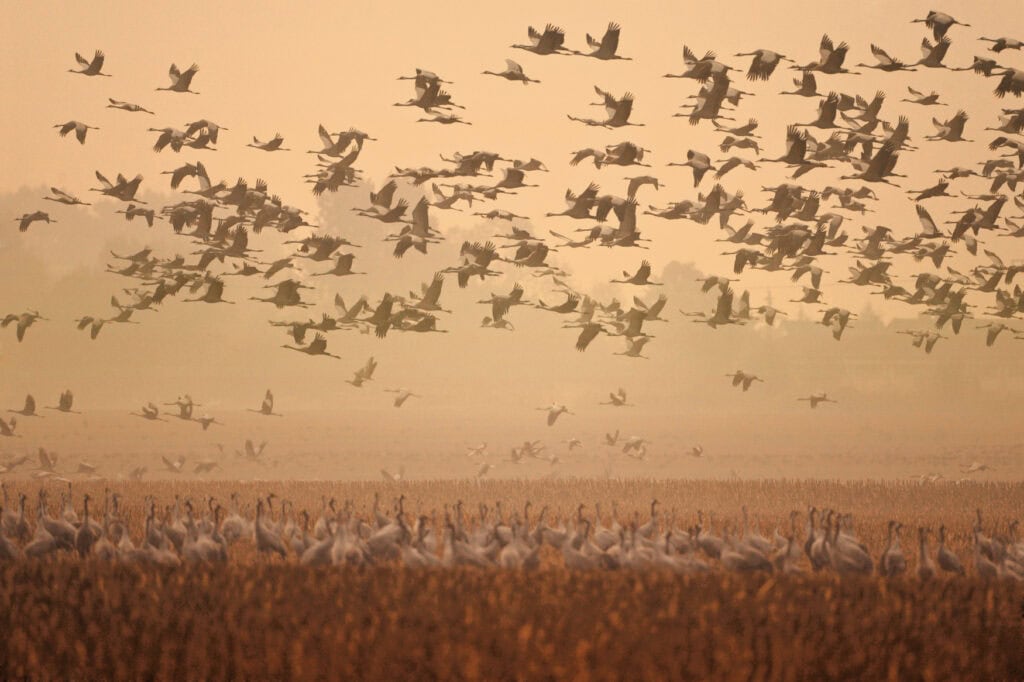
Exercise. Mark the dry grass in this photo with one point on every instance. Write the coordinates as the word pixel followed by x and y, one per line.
pixel 257 619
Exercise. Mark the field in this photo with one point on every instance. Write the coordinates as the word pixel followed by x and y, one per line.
pixel 257 617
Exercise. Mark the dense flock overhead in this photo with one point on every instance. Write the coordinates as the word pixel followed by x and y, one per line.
pixel 797 231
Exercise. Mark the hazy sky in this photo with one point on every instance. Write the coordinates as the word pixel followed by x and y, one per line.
pixel 266 69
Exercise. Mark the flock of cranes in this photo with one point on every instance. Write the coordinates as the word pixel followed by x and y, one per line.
pixel 221 218
pixel 206 533
pixel 183 410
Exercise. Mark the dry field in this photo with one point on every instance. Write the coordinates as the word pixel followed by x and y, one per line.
pixel 261 618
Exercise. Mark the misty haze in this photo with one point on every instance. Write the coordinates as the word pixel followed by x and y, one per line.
pixel 361 324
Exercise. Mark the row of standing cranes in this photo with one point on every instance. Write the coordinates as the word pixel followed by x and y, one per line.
pixel 186 532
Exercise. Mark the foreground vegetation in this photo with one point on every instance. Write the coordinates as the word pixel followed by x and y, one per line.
pixel 256 616
pixel 62 619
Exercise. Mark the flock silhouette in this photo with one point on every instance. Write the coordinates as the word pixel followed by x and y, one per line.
pixel 795 233
pixel 493 538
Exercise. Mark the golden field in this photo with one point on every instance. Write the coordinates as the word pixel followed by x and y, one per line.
pixel 255 617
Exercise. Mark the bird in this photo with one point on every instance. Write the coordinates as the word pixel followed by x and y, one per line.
pixel 722 314
pixel 994 330
pixel 206 421
pixel 892 562
pixel 90 67
pixel 204 125
pixel 546 43
pixel 149 411
pixel 635 447
pixel 272 145
pixel 607 47
pixel 975 467
pixel 181 81
pixel 947 560
pixel 267 541
pixel 806 85
pixel 250 451
pixel 26 220
pixel 635 346
pixel 267 406
pixel 513 72
pixel 618 111
pixel 403 394
pixel 80 129
pixel 126 106
pixel 1000 44
pixel 318 346
pixel 763 64
pixel 124 189
pixel 741 378
pixel 444 119
pixel 1012 82
pixel 64 404
pixel 640 278
pixel 817 398
pixel 214 293
pixel 393 478
pixel 554 410
pixel 28 409
pixel 477 450
pixel 23 320
pixel 62 197
pixel 588 333
pixel 363 374
pixel 885 61
pixel 939 23
pixel 918 97
pixel 838 320
pixel 175 466
pixel 88 469
pixel 617 399
pixel 951 130
pixel 831 57
pixel 205 466
pixel 699 162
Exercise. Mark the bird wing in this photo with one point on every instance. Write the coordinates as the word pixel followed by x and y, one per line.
pixel 433 292
pixel 588 334
pixel 580 156
pixel 723 310
pixel 325 137
pixel 825 49
pixel 996 260
pixel 881 55
pixel 930 229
